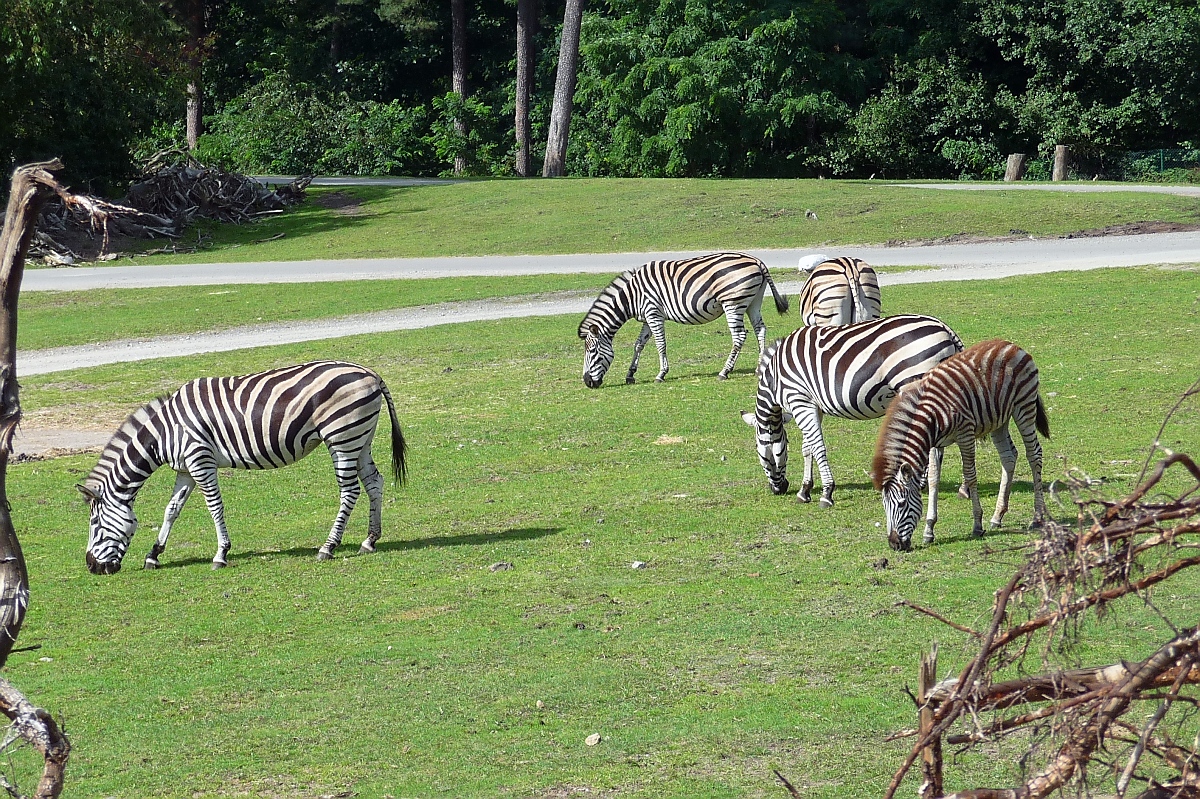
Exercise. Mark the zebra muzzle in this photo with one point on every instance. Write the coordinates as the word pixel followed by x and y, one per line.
pixel 101 567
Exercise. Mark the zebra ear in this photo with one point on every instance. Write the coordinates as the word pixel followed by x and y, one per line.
pixel 748 418
pixel 92 494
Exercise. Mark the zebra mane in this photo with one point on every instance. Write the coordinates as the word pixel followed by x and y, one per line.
pixel 606 308
pixel 119 443
pixel 897 427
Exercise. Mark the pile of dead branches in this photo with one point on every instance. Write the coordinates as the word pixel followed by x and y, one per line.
pixel 174 191
pixel 178 187
pixel 1132 725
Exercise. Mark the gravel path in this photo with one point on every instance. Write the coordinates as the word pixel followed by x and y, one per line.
pixel 1054 254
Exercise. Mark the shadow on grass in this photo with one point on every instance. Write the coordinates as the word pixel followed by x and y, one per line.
pixel 470 539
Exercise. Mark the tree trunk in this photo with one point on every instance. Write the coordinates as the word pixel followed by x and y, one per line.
pixel 458 72
pixel 1062 157
pixel 564 91
pixel 194 54
pixel 31 185
pixel 526 25
pixel 1015 170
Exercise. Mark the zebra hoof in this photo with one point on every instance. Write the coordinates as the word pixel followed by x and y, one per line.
pixel 218 564
pixel 150 563
pixel 993 525
pixel 826 502
pixel 324 554
pixel 366 549
pixel 629 381
pixel 928 537
pixel 658 380
pixel 977 532
pixel 722 376
pixel 964 492
pixel 1036 524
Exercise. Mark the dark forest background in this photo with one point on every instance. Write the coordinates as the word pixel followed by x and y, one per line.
pixel 753 88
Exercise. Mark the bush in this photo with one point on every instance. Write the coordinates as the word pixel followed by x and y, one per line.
pixel 290 128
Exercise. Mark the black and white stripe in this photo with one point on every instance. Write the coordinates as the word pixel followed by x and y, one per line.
pixel 691 292
pixel 851 371
pixel 969 396
pixel 258 421
pixel 839 291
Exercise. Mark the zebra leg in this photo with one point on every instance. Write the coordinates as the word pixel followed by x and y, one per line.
pixel 809 421
pixel 642 338
pixel 179 495
pixel 737 329
pixel 346 469
pixel 372 481
pixel 966 446
pixel 754 312
pixel 1027 426
pixel 805 492
pixel 657 329
pixel 1008 465
pixel 933 476
pixel 205 475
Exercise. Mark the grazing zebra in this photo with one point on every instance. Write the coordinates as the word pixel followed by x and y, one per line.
pixel 259 421
pixel 851 371
pixel 839 291
pixel 963 399
pixel 691 292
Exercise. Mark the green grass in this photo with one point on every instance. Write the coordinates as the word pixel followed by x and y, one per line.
pixel 508 217
pixel 759 635
pixel 62 318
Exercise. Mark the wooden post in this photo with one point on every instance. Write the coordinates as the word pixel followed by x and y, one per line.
pixel 1015 170
pixel 931 755
pixel 1062 157
pixel 31 186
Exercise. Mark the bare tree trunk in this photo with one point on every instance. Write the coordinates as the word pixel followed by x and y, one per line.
pixel 193 19
pixel 458 71
pixel 1015 169
pixel 31 185
pixel 526 25
pixel 1062 158
pixel 564 92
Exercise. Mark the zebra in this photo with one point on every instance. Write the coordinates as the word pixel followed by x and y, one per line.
pixel 849 371
pixel 963 399
pixel 258 421
pixel 691 292
pixel 839 291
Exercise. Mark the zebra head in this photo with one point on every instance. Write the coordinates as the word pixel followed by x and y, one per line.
pixel 770 435
pixel 902 506
pixel 111 529
pixel 597 355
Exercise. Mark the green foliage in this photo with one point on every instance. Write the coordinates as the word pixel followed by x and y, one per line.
pixel 81 81
pixel 283 127
pixel 693 88
pixel 934 118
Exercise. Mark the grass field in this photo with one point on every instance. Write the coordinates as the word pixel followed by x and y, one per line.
pixel 63 318
pixel 761 634
pixel 511 217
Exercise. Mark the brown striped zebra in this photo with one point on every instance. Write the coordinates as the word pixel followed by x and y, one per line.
pixel 839 291
pixel 964 398
pixel 258 421
pixel 691 292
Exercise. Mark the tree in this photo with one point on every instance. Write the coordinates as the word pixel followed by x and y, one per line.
pixel 458 72
pixel 564 91
pixel 526 25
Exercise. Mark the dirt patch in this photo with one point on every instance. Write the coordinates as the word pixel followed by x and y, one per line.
pixel 1016 234
pixel 340 202
pixel 1133 229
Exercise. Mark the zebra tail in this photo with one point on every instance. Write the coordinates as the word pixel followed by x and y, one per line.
pixel 399 446
pixel 1043 422
pixel 781 300
pixel 860 303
